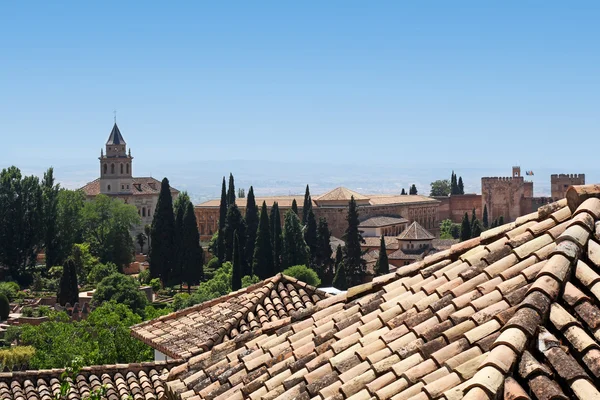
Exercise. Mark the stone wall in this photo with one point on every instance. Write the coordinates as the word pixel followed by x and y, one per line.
pixel 560 183
pixel 454 207
pixel 503 196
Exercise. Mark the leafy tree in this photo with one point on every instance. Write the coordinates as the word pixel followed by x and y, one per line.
pixel 122 246
pixel 84 260
pixel 162 252
pixel 461 187
pixel 249 280
pixel 231 191
pixel 141 239
pixel 222 221
pixel 251 219
pixel 413 189
pixel 354 264
pixel 69 224
pixel 465 228
pixel 449 230
pixel 4 307
pixel 192 256
pixel 304 274
pixel 440 188
pixel 276 236
pixel 262 260
pixel 101 271
pixel 485 217
pixel 295 250
pixel 218 285
pixel 382 265
pixel 236 274
pixel 50 214
pixel 306 206
pixel 68 291
pixel 9 289
pixel 403 192
pixel 310 236
pixel 322 255
pixel 155 284
pixel 235 223
pixel 121 289
pixel 295 207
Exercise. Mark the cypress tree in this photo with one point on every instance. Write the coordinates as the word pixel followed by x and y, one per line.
pixel 180 206
pixel 162 232
pixel 382 266
pixel 403 192
pixel 191 251
pixel 50 215
pixel 340 281
pixel 231 191
pixel 354 264
pixel 322 258
pixel 485 217
pixel 276 236
pixel 476 229
pixel 501 220
pixel 413 189
pixel 262 260
pixel 251 228
pixel 310 235
pixel 68 290
pixel 307 206
pixel 473 217
pixel 295 250
pixel 461 187
pixel 465 228
pixel 222 222
pixel 295 207
pixel 235 223
pixel 236 274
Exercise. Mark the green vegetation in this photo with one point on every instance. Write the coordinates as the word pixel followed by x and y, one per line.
pixel 101 271
pixel 456 187
pixel 162 234
pixel 354 265
pixel 15 357
pixel 4 307
pixel 382 265
pixel 222 218
pixel 9 289
pixel 485 217
pixel 295 207
pixel 321 259
pixel 413 189
pixel 252 221
pixel 465 228
pixel 68 291
pixel 295 251
pixel 262 261
pixel 123 290
pixel 276 236
pixel 303 273
pixel 306 206
pixel 440 188
pixel 236 274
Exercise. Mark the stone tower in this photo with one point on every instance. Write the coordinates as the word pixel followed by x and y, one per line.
pixel 561 182
pixel 116 166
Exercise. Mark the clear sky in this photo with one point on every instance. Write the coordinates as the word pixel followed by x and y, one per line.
pixel 418 84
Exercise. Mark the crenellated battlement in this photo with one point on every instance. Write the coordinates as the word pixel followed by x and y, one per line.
pixel 567 176
pixel 502 178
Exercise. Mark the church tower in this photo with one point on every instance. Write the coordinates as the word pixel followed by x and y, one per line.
pixel 116 166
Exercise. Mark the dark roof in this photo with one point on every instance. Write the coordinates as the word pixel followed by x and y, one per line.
pixel 415 232
pixel 141 186
pixel 513 312
pixel 400 255
pixel 193 330
pixel 115 136
pixel 141 381
pixel 391 243
pixel 376 222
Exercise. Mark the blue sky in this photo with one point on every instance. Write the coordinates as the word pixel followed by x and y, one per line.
pixel 413 84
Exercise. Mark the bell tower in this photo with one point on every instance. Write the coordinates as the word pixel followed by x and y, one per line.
pixel 116 167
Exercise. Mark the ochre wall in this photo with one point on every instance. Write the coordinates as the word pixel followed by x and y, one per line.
pixel 560 183
pixel 454 207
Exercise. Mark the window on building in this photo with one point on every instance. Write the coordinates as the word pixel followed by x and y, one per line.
pixel 121 168
pixel 122 187
pixel 112 168
pixel 127 168
pixel 108 188
pixel 148 211
pixel 127 186
pixel 105 168
pixel 143 211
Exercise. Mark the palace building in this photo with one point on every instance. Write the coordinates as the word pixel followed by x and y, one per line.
pixel 117 180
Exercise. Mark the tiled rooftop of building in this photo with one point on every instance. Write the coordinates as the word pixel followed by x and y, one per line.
pixel 376 222
pixel 513 313
pixel 143 381
pixel 140 186
pixel 415 232
pixel 391 243
pixel 196 329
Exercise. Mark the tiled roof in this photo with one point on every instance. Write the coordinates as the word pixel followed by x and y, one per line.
pixel 514 312
pixel 140 186
pixel 400 255
pixel 144 381
pixel 282 201
pixel 193 330
pixel 391 243
pixel 115 136
pixel 340 193
pixel 376 222
pixel 415 232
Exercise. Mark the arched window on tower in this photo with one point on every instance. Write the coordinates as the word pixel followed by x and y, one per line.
pixel 121 168
pixel 127 168
pixel 143 211
pixel 112 168
pixel 105 168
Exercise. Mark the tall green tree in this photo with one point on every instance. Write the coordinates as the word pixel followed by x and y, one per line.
pixel 251 219
pixel 340 280
pixel 403 192
pixel 440 188
pixel 322 257
pixel 276 236
pixel 310 236
pixel 50 192
pixel 262 260
pixel 382 265
pixel 485 217
pixel 453 184
pixel 476 229
pixel 235 223
pixel 295 207
pixel 306 206
pixel 192 256
pixel 413 189
pixel 179 207
pixel 69 224
pixel 236 274
pixel 355 265
pixel 465 228
pixel 473 221
pixel 295 250
pixel 231 191
pixel 461 187
pixel 222 222
pixel 68 290
pixel 501 220
pixel 162 233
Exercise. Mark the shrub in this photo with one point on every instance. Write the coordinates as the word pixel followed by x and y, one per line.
pixel 155 284
pixel 4 307
pixel 16 356
pixel 38 282
pixel 9 289
pixel 303 273
pixel 144 277
pixel 101 271
pixel 249 280
pixel 179 301
pixel 123 290
pixel 27 311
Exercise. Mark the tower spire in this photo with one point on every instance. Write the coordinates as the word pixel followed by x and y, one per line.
pixel 115 112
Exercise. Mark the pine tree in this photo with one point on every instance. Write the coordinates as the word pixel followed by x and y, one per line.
pixel 465 228
pixel 403 192
pixel 340 281
pixel 295 207
pixel 162 232
pixel 251 219
pixel 307 206
pixel 262 260
pixel 354 263
pixel 485 217
pixel 295 250
pixel 461 187
pixel 322 258
pixel 192 256
pixel 413 189
pixel 310 235
pixel 235 223
pixel 68 290
pixel 236 274
pixel 276 236
pixel 231 191
pixel 382 265
pixel 222 222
